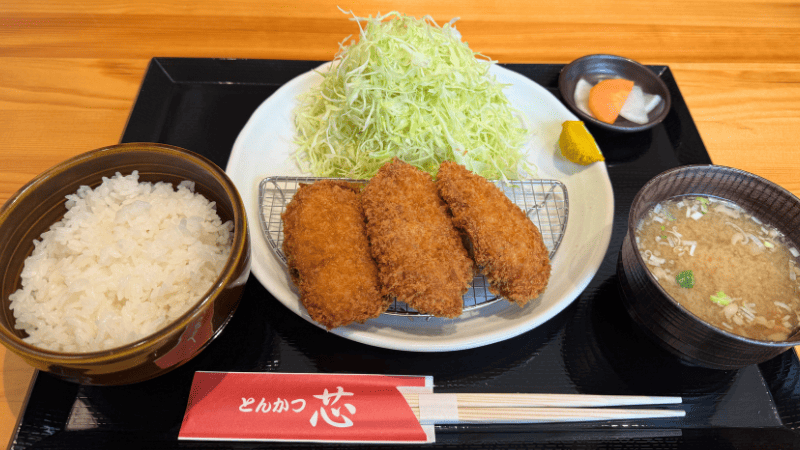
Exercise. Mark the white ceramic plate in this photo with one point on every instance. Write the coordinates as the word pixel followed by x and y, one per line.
pixel 263 149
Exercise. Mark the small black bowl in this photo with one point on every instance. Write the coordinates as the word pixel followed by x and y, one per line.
pixel 595 68
pixel 671 325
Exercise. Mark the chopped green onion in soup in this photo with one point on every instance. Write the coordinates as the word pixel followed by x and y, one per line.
pixel 685 279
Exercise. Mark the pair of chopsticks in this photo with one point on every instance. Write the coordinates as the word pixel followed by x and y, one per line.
pixel 433 409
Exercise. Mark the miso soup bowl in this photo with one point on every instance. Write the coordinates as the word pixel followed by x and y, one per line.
pixel 41 202
pixel 668 323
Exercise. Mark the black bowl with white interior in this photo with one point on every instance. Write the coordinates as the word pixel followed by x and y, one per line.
pixel 595 68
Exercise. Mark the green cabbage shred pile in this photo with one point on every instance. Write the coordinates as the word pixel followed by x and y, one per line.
pixel 412 90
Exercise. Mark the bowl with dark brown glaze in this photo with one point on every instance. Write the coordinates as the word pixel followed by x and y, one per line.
pixel 41 203
pixel 666 321
pixel 595 68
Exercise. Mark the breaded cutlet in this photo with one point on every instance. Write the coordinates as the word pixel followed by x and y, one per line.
pixel 327 250
pixel 507 246
pixel 421 257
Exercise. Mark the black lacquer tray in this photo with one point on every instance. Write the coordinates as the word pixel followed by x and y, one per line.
pixel 591 347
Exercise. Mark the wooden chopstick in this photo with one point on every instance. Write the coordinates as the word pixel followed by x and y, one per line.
pixel 544 415
pixel 549 400
pixel 533 408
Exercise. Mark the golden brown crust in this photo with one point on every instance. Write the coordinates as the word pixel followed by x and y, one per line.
pixel 421 258
pixel 506 244
pixel 328 254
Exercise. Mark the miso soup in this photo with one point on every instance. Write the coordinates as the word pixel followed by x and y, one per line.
pixel 724 265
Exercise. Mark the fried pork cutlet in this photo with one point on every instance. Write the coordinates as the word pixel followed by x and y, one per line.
pixel 507 246
pixel 327 250
pixel 421 258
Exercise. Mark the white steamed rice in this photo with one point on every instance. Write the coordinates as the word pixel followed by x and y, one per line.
pixel 127 259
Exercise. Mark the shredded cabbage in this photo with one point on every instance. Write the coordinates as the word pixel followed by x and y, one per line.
pixel 412 90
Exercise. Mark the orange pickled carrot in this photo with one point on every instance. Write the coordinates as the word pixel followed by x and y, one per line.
pixel 607 97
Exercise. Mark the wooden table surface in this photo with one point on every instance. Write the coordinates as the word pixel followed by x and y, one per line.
pixel 70 71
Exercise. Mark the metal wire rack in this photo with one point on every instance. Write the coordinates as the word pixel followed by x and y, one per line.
pixel 544 201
